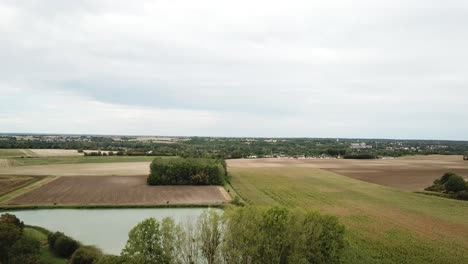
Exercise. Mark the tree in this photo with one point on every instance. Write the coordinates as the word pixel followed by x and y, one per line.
pixel 446 177
pixel 210 236
pixel 455 183
pixel 11 219
pixel 151 242
pixel 25 250
pixel 9 234
pixel 65 246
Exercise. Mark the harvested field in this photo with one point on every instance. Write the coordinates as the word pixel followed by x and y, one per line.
pixel 55 152
pixel 85 169
pixel 11 153
pixel 11 183
pixel 109 190
pixel 411 174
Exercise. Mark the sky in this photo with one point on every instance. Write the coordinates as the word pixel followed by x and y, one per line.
pixel 366 69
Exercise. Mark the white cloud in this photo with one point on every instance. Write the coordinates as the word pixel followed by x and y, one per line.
pixel 324 68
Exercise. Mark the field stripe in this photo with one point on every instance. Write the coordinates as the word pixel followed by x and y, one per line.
pixel 27 188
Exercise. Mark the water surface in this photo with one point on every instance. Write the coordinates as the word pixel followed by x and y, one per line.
pixel 105 228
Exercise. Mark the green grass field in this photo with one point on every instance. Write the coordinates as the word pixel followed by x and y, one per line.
pixel 46 256
pixel 384 225
pixel 78 159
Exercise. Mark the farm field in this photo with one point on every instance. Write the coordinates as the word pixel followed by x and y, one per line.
pixel 83 169
pixel 11 183
pixel 109 190
pixel 77 160
pixel 413 173
pixel 384 225
pixel 11 153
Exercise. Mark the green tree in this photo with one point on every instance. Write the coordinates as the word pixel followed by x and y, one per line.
pixel 9 234
pixel 25 250
pixel 210 236
pixel 455 183
pixel 151 242
pixel 11 219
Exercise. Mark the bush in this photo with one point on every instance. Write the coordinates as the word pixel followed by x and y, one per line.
pixel 186 171
pixel 86 255
pixel 463 195
pixel 455 183
pixel 65 246
pixel 445 177
pixel 24 250
pixel 437 187
pixel 52 237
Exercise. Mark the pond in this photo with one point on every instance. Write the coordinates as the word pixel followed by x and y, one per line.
pixel 105 228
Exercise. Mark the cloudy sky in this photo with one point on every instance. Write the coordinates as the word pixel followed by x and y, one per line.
pixel 381 69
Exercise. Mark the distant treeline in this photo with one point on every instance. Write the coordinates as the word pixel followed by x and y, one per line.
pixel 360 156
pixel 187 171
pixel 229 148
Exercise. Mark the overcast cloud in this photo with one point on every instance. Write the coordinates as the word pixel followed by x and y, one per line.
pixel 381 69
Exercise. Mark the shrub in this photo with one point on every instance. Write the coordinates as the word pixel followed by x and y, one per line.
pixel 65 246
pixel 463 195
pixel 85 255
pixel 26 246
pixel 455 183
pixel 186 171
pixel 52 237
pixel 445 177
pixel 436 188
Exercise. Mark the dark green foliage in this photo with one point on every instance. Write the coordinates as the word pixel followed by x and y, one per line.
pixel 186 171
pixel 455 183
pixel 85 255
pixel 463 195
pixel 9 235
pixel 62 245
pixel 445 177
pixel 52 237
pixel 24 250
pixel 360 156
pixel 11 219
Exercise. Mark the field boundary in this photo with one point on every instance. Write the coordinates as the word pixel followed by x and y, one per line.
pixel 42 180
pixel 4 207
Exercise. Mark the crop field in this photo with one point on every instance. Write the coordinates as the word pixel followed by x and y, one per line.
pixel 11 153
pixel 83 169
pixel 78 160
pixel 109 190
pixel 55 152
pixel 384 225
pixel 10 183
pixel 411 174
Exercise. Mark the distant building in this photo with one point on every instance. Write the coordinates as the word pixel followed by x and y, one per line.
pixel 361 145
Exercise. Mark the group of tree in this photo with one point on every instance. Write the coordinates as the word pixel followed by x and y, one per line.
pixel 187 171
pixel 451 184
pixel 228 148
pixel 15 246
pixel 248 235
pixel 360 156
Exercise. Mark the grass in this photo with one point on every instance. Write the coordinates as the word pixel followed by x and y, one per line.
pixel 384 225
pixel 10 153
pixel 45 255
pixel 79 159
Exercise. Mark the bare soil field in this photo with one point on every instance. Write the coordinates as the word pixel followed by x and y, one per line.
pixel 85 169
pixel 10 183
pixel 55 152
pixel 123 190
pixel 409 173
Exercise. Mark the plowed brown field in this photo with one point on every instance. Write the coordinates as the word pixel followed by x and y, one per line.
pixel 122 190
